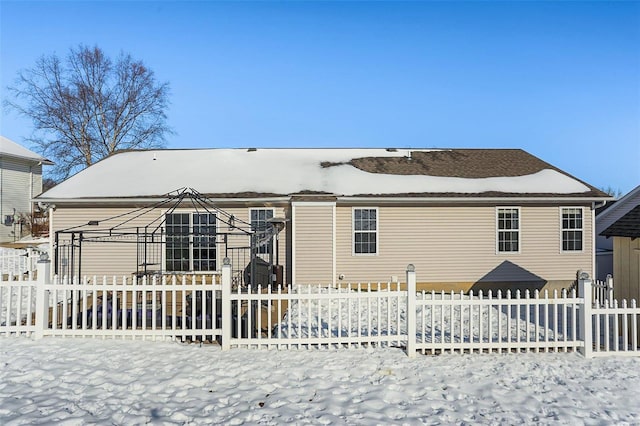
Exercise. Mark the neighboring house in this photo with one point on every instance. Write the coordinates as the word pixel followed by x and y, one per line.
pixel 625 233
pixel 20 181
pixel 604 219
pixel 466 218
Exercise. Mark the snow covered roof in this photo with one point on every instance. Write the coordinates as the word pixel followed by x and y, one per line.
pixel 12 149
pixel 336 172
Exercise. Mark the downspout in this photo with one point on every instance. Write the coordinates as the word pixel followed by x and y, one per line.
pixel 1 191
pixel 31 186
pixel 594 206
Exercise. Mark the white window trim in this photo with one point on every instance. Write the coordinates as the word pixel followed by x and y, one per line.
pixel 353 231
pixel 562 250
pixel 273 211
pixel 497 233
pixel 164 241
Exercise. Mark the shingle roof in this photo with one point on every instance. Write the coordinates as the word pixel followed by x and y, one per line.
pixel 464 163
pixel 231 173
pixel 627 226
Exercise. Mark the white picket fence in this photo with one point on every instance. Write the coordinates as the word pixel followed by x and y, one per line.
pixel 17 305
pixel 450 322
pixel 17 261
pixel 303 316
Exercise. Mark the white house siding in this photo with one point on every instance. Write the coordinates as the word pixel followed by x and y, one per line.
pixel 455 247
pixel 119 259
pixel 20 180
pixel 626 268
pixel 313 246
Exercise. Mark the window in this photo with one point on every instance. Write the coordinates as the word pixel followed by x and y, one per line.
pixel 572 229
pixel 259 222
pixel 365 231
pixel 191 242
pixel 508 230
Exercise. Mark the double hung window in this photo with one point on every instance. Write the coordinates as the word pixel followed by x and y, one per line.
pixel 572 229
pixel 365 231
pixel 259 223
pixel 508 228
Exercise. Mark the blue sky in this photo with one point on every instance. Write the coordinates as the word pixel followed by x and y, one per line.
pixel 560 80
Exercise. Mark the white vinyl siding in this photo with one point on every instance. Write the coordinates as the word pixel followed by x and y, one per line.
pixel 508 229
pixel 572 224
pixel 365 231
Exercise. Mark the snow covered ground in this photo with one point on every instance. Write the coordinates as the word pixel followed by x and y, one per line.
pixel 81 381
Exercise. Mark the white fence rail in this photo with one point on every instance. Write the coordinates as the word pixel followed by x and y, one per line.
pixel 157 308
pixel 17 261
pixel 383 314
pixel 450 322
pixel 602 292
pixel 362 314
pixel 17 305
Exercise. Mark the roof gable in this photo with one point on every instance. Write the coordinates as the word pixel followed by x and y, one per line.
pixel 340 172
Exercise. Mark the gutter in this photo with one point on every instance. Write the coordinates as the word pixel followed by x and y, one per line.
pixel 341 200
pixel 153 200
pixel 466 200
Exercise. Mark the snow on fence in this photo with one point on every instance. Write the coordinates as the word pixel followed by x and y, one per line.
pixel 381 314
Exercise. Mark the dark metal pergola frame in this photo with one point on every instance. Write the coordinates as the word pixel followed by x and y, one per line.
pixel 151 238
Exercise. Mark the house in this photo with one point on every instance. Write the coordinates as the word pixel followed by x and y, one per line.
pixel 610 213
pixel 625 233
pixel 466 218
pixel 20 181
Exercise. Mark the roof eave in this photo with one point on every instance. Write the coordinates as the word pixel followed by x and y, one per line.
pixel 349 199
pixel 30 159
pixel 620 203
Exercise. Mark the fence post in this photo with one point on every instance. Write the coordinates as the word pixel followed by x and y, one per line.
pixel 586 330
pixel 610 288
pixel 42 295
pixel 411 311
pixel 226 304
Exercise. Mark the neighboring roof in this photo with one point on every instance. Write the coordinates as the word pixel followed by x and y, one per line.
pixel 607 217
pixel 340 172
pixel 12 149
pixel 627 226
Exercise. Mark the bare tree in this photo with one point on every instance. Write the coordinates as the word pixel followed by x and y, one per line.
pixel 614 192
pixel 87 107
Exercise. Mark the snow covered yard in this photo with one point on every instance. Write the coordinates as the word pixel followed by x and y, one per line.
pixel 80 381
